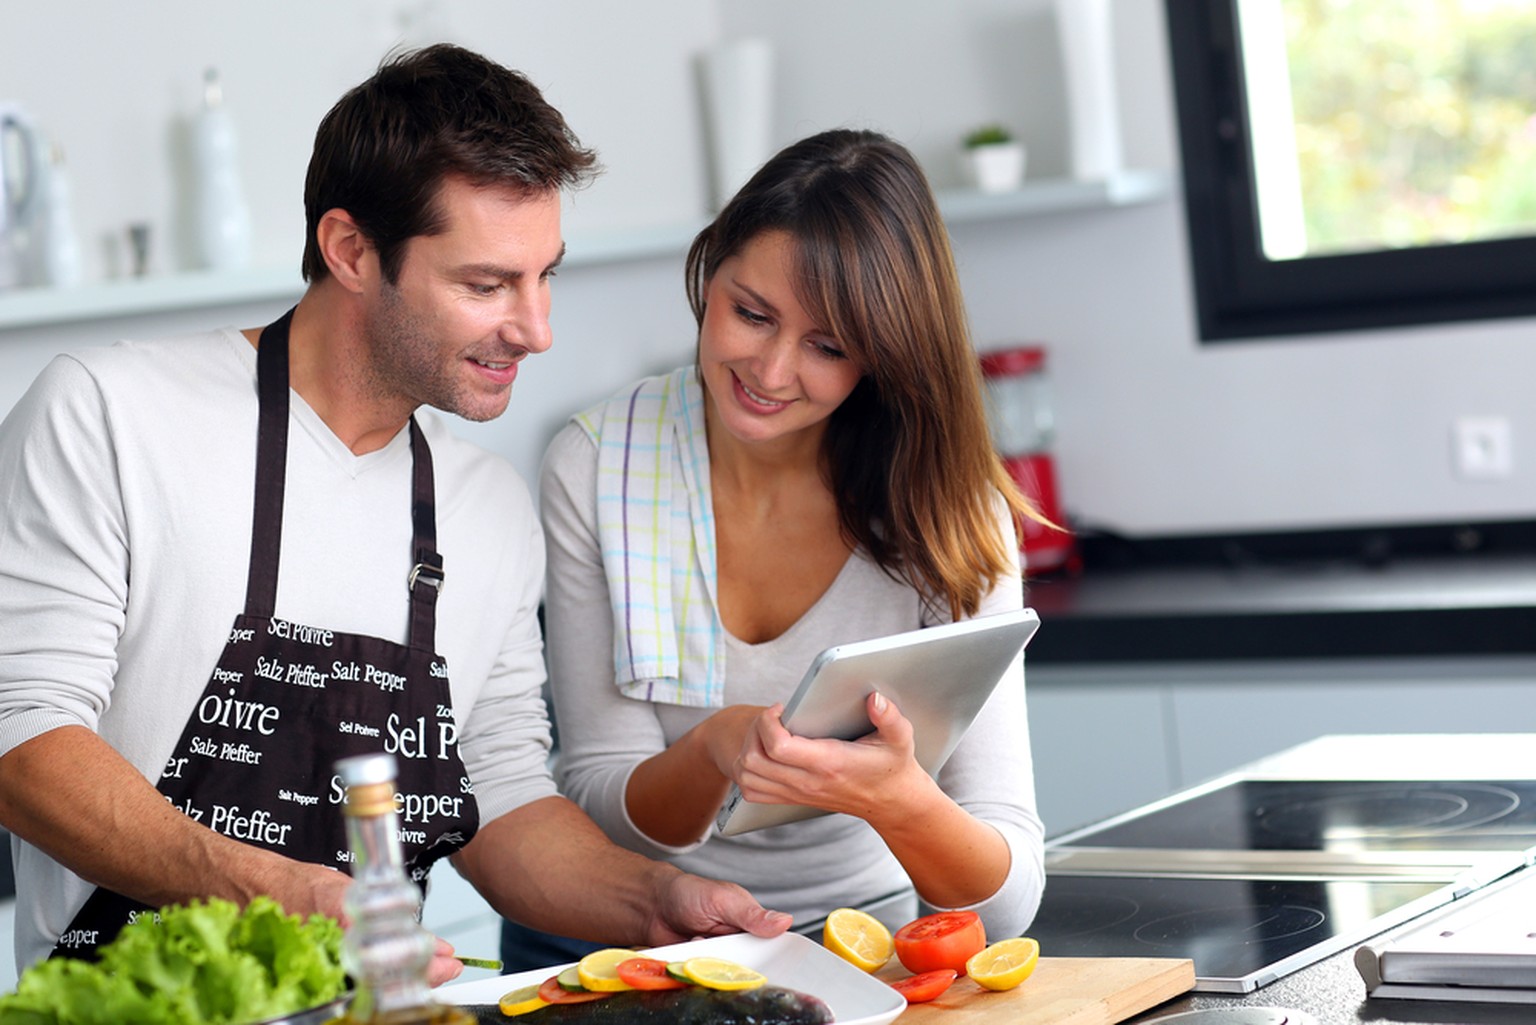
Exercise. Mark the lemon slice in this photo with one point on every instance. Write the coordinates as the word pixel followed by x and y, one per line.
pixel 521 1001
pixel 718 973
pixel 598 971
pixel 860 939
pixel 1004 964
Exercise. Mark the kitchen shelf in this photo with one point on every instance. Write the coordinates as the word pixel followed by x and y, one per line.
pixel 203 289
pixel 153 294
pixel 1055 195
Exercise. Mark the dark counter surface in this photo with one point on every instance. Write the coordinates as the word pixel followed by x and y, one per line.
pixel 1333 993
pixel 1418 591
pixel 1331 990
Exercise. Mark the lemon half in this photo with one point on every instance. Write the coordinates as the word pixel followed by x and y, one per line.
pixel 860 939
pixel 1004 964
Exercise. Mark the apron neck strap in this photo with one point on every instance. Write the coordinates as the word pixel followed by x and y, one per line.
pixel 271 466
pixel 426 576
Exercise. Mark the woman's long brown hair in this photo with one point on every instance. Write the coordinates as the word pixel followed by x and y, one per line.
pixel 907 455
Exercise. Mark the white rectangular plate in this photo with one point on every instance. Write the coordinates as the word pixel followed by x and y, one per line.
pixel 789 960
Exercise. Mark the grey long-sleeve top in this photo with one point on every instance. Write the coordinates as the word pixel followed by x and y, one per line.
pixel 805 868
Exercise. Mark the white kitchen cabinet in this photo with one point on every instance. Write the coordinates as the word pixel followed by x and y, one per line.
pixel 1100 745
pixel 1108 738
pixel 1224 716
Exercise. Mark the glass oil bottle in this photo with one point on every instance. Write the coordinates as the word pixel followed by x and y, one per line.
pixel 386 950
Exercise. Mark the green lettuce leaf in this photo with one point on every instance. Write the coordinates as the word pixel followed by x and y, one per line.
pixel 208 962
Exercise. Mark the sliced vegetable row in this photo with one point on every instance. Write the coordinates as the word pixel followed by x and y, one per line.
pixel 614 970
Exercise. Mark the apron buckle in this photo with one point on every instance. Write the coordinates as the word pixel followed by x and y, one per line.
pixel 426 574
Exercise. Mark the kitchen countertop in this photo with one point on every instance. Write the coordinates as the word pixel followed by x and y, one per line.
pixel 1295 596
pixel 1332 990
pixel 1333 993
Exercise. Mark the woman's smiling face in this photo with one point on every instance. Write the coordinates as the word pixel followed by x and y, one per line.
pixel 771 371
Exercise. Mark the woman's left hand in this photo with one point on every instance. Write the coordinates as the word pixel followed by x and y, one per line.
pixel 862 777
pixel 953 859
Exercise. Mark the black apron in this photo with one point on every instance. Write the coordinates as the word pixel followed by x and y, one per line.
pixel 256 758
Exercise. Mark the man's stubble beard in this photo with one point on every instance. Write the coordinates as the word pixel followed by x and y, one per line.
pixel 405 360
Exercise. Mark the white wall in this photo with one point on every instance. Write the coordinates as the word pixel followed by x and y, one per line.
pixel 1157 433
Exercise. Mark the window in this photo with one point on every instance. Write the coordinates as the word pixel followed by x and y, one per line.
pixel 1356 163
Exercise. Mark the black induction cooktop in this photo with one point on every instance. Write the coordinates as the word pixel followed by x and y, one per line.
pixel 1334 815
pixel 1240 933
pixel 1255 878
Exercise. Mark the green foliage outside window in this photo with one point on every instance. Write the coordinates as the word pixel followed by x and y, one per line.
pixel 1415 120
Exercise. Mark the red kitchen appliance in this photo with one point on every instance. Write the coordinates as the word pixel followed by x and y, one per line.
pixel 1021 418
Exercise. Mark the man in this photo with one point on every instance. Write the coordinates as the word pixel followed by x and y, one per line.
pixel 228 560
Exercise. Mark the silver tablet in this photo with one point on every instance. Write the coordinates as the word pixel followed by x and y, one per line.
pixel 939 678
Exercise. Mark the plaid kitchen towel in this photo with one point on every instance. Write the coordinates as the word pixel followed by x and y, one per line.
pixel 656 528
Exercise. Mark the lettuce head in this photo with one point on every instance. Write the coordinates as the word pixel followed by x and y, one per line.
pixel 207 962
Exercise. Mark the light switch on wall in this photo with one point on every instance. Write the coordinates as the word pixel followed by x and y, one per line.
pixel 1482 447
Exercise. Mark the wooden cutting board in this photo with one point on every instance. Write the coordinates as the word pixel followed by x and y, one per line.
pixel 1060 991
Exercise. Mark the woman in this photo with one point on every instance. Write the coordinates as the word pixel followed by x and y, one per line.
pixel 822 475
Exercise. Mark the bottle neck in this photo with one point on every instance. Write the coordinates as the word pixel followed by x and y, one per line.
pixel 375 843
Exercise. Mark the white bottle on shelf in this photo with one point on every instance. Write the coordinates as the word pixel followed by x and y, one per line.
pixel 1085 30
pixel 737 78
pixel 57 261
pixel 222 219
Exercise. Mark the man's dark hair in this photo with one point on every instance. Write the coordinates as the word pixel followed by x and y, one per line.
pixel 384 150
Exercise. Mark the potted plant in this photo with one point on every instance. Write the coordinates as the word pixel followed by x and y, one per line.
pixel 994 158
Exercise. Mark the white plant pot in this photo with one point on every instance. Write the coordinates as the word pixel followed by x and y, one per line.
pixel 998 167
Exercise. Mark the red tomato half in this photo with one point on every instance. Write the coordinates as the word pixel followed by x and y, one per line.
pixel 944 940
pixel 919 989
pixel 647 973
pixel 551 992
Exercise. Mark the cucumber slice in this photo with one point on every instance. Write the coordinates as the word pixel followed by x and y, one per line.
pixel 675 969
pixel 570 981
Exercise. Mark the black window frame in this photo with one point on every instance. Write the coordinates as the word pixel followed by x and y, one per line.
pixel 1239 293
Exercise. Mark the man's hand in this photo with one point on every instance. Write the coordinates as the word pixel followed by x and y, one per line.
pixel 327 899
pixel 445 967
pixel 301 888
pixel 690 907
pixel 547 865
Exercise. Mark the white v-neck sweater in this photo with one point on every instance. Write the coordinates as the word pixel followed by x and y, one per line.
pixel 126 482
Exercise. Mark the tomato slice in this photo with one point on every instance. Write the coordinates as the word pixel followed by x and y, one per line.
pixel 647 973
pixel 943 940
pixel 919 989
pixel 551 992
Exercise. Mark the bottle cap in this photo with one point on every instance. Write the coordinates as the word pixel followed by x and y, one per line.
pixel 213 91
pixel 1024 359
pixel 363 770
